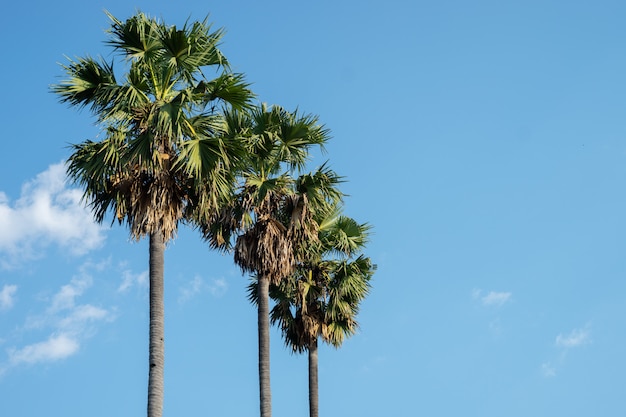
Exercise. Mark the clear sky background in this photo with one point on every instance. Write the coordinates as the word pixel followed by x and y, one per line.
pixel 483 140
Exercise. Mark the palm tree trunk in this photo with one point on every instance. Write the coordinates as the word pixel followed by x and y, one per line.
pixel 157 328
pixel 313 385
pixel 264 346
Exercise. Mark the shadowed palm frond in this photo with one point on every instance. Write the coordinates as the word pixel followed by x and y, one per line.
pixel 89 84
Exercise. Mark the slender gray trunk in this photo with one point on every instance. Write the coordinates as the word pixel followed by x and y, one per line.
pixel 157 327
pixel 313 385
pixel 264 347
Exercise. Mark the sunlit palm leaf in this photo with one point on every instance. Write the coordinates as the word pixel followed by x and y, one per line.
pixel 135 38
pixel 87 83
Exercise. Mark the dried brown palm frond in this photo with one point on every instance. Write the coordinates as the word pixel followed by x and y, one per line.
pixel 265 249
pixel 157 203
pixel 148 202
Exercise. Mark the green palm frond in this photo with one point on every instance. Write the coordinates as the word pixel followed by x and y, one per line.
pixel 97 167
pixel 135 38
pixel 192 47
pixel 321 190
pixel 267 193
pixel 336 332
pixel 298 134
pixel 279 137
pixel 238 124
pixel 253 291
pixel 141 147
pixel 230 88
pixel 88 84
pixel 345 236
pixel 350 280
pixel 205 43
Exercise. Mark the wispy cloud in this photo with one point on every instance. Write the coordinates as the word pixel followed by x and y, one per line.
pixel 83 314
pixel 7 296
pixel 495 326
pixel 64 322
pixel 216 287
pixel 47 212
pixel 131 279
pixel 548 370
pixel 492 298
pixel 55 348
pixel 576 337
pixel 65 298
pixel 374 363
pixel 564 343
pixel 190 289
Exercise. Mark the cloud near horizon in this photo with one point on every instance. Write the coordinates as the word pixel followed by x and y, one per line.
pixel 47 212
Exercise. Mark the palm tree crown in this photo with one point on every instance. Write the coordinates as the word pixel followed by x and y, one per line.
pixel 321 297
pixel 162 146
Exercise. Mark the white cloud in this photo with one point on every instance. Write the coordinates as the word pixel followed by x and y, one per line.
pixel 65 298
pixel 576 337
pixel 191 289
pixel 55 348
pixel 7 297
pixel 65 313
pixel 63 325
pixel 548 370
pixel 47 212
pixel 492 298
pixel 216 288
pixel 563 343
pixel 83 314
pixel 130 279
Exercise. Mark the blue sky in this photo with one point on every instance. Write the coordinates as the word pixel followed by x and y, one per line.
pixel 483 140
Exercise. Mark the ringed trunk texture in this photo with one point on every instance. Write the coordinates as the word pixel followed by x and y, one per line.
pixel 157 327
pixel 313 385
pixel 265 393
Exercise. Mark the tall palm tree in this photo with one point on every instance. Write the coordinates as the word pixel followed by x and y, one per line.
pixel 321 298
pixel 268 214
pixel 162 149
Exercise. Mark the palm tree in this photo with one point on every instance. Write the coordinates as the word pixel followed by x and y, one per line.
pixel 268 215
pixel 162 150
pixel 321 298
